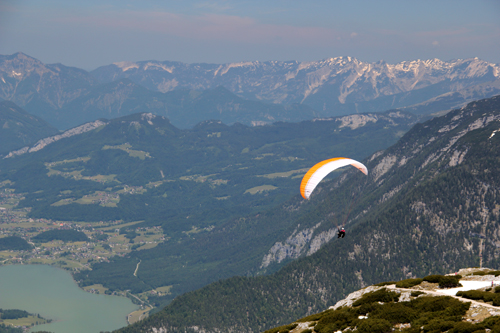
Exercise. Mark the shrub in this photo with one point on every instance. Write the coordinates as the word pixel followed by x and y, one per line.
pixel 375 326
pixel 408 283
pixel 480 295
pixel 496 273
pixel 491 322
pixel 282 329
pixel 395 313
pixel 336 320
pixel 497 289
pixel 316 316
pixel 416 293
pixel 433 278
pixel 464 327
pixel 307 331
pixel 435 304
pixel 471 294
pixel 381 284
pixel 439 326
pixel 367 308
pixel 381 295
pixel 449 282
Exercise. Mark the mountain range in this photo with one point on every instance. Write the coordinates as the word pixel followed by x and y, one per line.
pixel 428 205
pixel 278 91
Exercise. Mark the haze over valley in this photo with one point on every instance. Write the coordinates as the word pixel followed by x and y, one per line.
pixel 152 157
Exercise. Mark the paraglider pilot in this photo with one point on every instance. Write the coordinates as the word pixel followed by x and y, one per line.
pixel 341 232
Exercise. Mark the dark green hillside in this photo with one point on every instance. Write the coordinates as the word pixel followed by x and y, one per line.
pixel 19 129
pixel 203 186
pixel 14 243
pixel 64 235
pixel 426 201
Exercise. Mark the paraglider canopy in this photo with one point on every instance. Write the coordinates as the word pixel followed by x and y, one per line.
pixel 322 169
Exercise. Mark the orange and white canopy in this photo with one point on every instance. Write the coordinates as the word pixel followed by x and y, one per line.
pixel 322 169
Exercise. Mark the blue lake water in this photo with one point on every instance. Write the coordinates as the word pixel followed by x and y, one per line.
pixel 52 293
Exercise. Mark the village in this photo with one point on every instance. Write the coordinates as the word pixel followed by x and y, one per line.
pixel 104 241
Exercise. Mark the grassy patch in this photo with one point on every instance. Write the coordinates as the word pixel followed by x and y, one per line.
pixel 26 321
pixel 138 315
pixel 164 290
pixel 283 174
pixel 132 153
pixel 260 189
pixel 99 287
pixel 118 226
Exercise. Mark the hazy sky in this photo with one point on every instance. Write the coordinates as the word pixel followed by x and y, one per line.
pixel 92 33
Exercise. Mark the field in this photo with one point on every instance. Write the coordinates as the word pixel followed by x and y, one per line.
pixel 259 189
pixel 138 315
pixel 26 321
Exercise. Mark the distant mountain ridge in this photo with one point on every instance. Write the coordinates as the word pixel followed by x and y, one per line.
pixel 184 108
pixel 330 87
pixel 333 86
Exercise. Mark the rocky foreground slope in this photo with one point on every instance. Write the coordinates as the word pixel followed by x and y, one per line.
pixel 428 304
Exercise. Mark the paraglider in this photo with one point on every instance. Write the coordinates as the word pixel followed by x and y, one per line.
pixel 319 171
pixel 322 169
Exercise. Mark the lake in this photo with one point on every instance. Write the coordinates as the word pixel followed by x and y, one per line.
pixel 52 293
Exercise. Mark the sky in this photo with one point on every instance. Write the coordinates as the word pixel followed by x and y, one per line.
pixel 92 33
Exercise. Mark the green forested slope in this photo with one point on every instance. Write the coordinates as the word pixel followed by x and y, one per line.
pixel 19 128
pixel 426 201
pixel 205 187
pixel 14 243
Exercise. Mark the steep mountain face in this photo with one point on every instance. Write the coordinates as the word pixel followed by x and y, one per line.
pixel 18 128
pixel 428 205
pixel 40 88
pixel 332 86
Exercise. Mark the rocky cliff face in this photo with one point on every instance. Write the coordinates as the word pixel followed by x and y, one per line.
pixel 429 150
